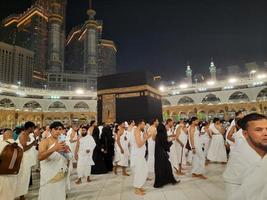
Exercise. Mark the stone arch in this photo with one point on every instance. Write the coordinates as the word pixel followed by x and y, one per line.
pixel 32 106
pixel 165 102
pixel 81 106
pixel 262 95
pixel 186 100
pixel 7 104
pixel 57 106
pixel 211 99
pixel 238 96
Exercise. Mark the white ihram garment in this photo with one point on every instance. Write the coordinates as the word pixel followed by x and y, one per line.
pixel 34 152
pixel 53 177
pixel 242 162
pixel 198 159
pixel 173 156
pixel 133 146
pixel 85 160
pixel 151 155
pixel 123 158
pixel 73 144
pixel 227 132
pixel 140 166
pixel 217 150
pixel 205 140
pixel 181 151
pixel 24 174
pixel 254 186
pixel 8 183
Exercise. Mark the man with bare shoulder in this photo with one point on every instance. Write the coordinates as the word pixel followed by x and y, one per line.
pixel 53 164
pixel 152 130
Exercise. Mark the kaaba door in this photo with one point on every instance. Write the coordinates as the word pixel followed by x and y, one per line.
pixel 109 108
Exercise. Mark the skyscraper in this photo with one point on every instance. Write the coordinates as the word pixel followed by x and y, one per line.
pixel 87 51
pixel 188 74
pixel 41 29
pixel 56 44
pixel 212 69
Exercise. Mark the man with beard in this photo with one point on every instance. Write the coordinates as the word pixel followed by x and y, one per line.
pixel 84 155
pixel 247 163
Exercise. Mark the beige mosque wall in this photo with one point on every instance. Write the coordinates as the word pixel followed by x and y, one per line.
pixel 208 111
pixel 12 118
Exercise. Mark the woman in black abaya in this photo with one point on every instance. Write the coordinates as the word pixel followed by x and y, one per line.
pixel 163 169
pixel 98 154
pixel 107 141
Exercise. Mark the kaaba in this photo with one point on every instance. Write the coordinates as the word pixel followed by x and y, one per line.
pixel 128 96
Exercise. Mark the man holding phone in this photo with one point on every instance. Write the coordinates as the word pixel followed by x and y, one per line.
pixel 53 165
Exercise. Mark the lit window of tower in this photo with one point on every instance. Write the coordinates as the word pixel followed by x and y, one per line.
pixel 212 70
pixel 188 73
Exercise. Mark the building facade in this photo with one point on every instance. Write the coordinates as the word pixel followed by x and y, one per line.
pixel 89 52
pixel 19 104
pixel 220 99
pixel 16 64
pixel 41 29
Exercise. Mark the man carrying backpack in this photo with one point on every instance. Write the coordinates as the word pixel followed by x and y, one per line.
pixel 10 160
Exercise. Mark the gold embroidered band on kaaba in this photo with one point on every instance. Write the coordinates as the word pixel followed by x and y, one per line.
pixel 133 91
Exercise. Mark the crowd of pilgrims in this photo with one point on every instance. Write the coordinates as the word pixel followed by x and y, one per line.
pixel 152 151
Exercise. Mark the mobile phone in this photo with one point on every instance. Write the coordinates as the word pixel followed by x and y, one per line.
pixel 62 138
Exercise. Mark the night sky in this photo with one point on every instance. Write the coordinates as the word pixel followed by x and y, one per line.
pixel 163 35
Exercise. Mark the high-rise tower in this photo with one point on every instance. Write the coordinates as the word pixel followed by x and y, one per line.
pixel 212 69
pixel 188 73
pixel 91 42
pixel 56 39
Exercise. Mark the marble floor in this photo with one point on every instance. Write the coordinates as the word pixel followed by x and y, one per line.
pixel 112 187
